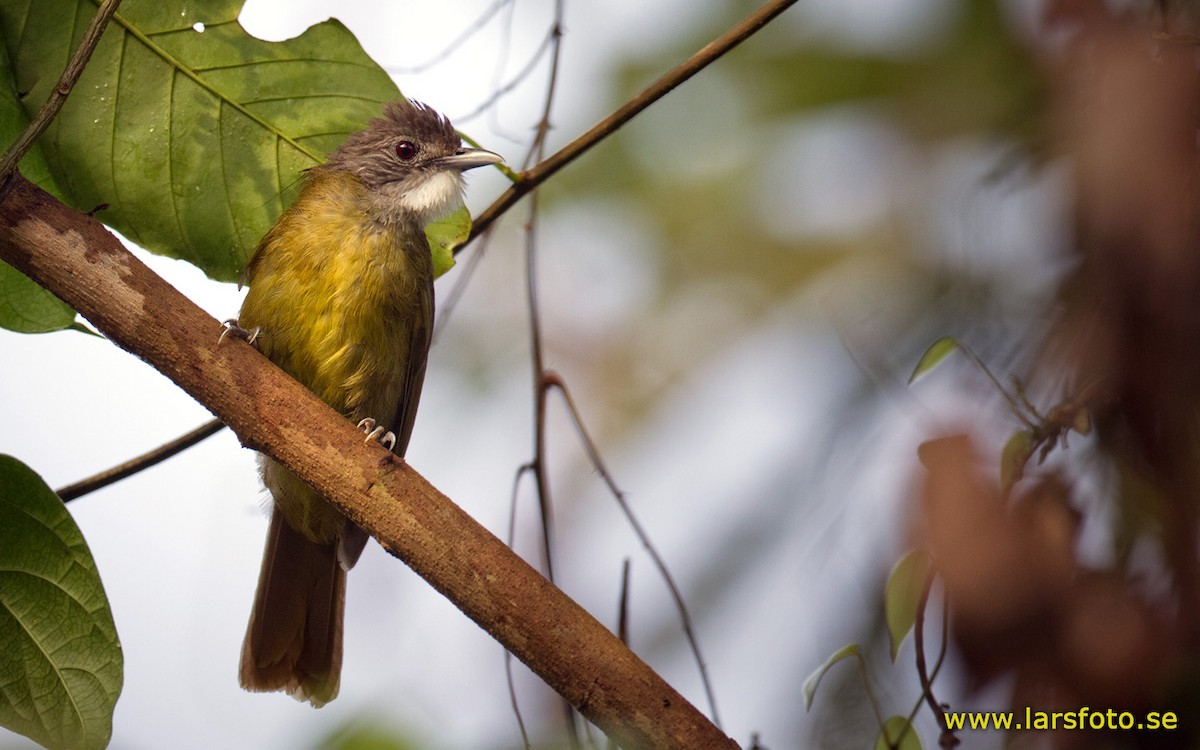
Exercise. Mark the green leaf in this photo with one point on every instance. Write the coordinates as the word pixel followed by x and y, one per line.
pixel 60 660
pixel 195 136
pixel 933 357
pixel 898 734
pixel 362 734
pixel 902 595
pixel 444 236
pixel 13 121
pixel 26 307
pixel 1013 457
pixel 814 679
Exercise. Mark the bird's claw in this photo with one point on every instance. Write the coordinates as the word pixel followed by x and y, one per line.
pixel 384 437
pixel 233 329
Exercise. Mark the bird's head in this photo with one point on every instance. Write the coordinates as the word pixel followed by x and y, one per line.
pixel 411 161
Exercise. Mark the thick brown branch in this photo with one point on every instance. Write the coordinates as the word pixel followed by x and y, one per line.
pixel 76 258
pixel 711 52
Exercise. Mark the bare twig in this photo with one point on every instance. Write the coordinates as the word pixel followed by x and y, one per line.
pixel 58 97
pixel 508 659
pixel 144 461
pixel 947 739
pixel 623 606
pixel 711 52
pixel 539 461
pixel 513 83
pixel 551 38
pixel 618 494
pixel 474 27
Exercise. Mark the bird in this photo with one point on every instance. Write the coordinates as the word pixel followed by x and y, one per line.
pixel 341 298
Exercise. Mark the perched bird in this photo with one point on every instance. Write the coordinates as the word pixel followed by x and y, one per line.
pixel 341 298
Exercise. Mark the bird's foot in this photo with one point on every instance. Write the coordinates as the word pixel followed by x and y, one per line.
pixel 384 437
pixel 233 329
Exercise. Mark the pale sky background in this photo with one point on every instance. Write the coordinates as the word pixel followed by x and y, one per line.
pixel 179 547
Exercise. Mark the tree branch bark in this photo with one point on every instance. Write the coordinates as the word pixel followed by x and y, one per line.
pixel 73 256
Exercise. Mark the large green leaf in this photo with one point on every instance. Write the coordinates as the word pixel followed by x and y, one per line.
pixel 60 660
pixel 25 306
pixel 193 132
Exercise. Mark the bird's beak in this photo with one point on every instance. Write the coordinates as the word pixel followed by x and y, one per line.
pixel 469 158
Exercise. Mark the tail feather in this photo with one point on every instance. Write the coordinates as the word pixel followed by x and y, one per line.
pixel 294 640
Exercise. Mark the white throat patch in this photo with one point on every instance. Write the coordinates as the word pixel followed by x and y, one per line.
pixel 434 197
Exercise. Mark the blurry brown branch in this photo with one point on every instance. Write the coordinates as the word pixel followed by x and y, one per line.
pixel 58 97
pixel 73 256
pixel 546 168
pixel 144 461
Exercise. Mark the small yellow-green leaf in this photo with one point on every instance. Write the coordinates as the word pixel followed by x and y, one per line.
pixel 60 660
pixel 902 595
pixel 1081 422
pixel 898 734
pixel 814 679
pixel 1017 450
pixel 933 356
pixel 446 234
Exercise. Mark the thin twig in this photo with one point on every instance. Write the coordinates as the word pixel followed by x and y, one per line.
pixel 58 97
pixel 539 462
pixel 1013 403
pixel 711 52
pixel 453 46
pixel 508 657
pixel 623 606
pixel 144 461
pixel 448 304
pixel 513 82
pixel 947 738
pixel 618 494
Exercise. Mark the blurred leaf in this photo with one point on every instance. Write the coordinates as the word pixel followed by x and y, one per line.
pixel 60 660
pixel 26 307
pixel 195 135
pixel 902 595
pixel 444 236
pixel 1081 421
pixel 933 357
pixel 365 735
pixel 978 78
pixel 1013 457
pixel 814 679
pixel 898 734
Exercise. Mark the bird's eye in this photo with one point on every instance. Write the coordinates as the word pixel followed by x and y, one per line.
pixel 406 150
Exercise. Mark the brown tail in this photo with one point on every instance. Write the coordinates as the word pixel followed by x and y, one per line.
pixel 294 641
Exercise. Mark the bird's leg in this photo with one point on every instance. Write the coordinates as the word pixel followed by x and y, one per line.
pixel 233 329
pixel 384 437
